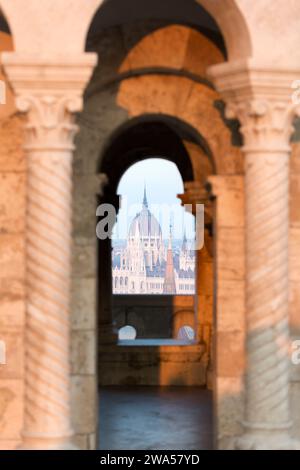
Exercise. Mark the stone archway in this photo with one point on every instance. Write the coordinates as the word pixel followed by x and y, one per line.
pixel 265 93
pixel 153 95
pixel 81 386
pixel 142 138
pixel 118 157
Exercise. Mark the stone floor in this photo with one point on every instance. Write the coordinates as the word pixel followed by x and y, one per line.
pixel 147 418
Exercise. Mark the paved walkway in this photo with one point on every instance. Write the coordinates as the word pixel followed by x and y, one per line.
pixel 155 418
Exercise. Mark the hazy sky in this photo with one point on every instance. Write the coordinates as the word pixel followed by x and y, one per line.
pixel 163 182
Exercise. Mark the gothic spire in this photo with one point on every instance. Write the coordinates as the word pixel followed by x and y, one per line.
pixel 169 281
pixel 145 202
pixel 184 242
pixel 170 236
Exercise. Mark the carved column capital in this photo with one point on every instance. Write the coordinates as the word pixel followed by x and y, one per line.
pixel 260 97
pixel 265 124
pixel 50 93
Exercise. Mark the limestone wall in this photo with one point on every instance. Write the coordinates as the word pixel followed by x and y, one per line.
pixel 151 363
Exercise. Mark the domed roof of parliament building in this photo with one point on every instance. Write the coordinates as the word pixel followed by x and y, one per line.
pixel 145 222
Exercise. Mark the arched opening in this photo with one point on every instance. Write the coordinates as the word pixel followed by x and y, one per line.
pixel 152 247
pixel 148 160
pixel 113 13
pixel 143 102
pixel 139 141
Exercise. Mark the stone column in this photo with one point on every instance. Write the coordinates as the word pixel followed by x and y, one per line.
pixel 196 193
pixel 261 99
pixel 49 93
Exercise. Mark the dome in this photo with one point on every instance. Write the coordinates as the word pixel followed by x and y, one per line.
pixel 145 222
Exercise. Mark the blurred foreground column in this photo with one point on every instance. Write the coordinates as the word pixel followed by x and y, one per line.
pixel 49 93
pixel 261 98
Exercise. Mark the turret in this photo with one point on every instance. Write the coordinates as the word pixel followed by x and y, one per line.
pixel 169 282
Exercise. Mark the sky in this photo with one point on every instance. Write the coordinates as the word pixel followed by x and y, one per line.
pixel 163 182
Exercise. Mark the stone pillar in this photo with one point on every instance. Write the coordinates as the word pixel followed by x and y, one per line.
pixel 196 193
pixel 261 99
pixel 229 306
pixel 49 93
